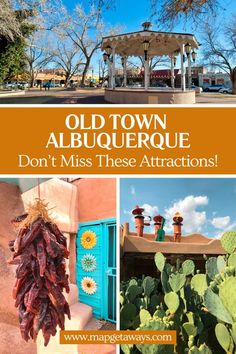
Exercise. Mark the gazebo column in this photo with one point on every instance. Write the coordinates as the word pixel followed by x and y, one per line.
pixel 172 72
pixel 183 81
pixel 189 73
pixel 125 71
pixel 146 74
pixel 113 68
pixel 109 73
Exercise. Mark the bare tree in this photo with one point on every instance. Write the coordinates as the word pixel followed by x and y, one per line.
pixel 155 62
pixel 68 56
pixel 169 12
pixel 86 29
pixel 220 49
pixel 38 55
pixel 9 25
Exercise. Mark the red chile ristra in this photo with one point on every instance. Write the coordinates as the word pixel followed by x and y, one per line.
pixel 40 250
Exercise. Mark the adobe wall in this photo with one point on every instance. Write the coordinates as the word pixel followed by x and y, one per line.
pixel 96 198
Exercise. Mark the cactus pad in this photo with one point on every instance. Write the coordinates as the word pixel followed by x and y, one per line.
pixel 223 336
pixel 172 302
pixel 221 264
pixel 177 281
pixel 188 267
pixel 211 267
pixel 133 291
pixel 227 291
pixel 216 307
pixel 155 325
pixel 232 260
pixel 228 241
pixel 190 329
pixel 199 283
pixel 144 316
pixel 148 285
pixel 160 261
pixel 203 349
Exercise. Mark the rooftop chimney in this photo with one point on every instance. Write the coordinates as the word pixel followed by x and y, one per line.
pixel 177 226
pixel 139 220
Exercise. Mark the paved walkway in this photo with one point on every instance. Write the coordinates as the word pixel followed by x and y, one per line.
pixel 95 96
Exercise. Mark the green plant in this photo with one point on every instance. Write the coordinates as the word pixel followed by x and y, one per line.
pixel 201 307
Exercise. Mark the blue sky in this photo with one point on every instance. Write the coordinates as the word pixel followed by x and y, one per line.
pixel 208 205
pixel 130 14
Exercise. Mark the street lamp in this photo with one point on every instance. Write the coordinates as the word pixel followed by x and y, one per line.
pixel 194 56
pixel 145 47
pixel 187 49
pixel 108 49
pixel 105 57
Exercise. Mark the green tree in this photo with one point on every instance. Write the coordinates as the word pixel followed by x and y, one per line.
pixel 13 43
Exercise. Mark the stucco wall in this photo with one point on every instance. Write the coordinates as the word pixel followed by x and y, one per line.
pixel 126 96
pixel 96 198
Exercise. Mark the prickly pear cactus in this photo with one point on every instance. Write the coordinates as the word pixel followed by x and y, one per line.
pixel 172 301
pixel 133 291
pixel 211 267
pixel 177 281
pixel 145 316
pixel 232 260
pixel 127 315
pixel 203 349
pixel 127 348
pixel 223 336
pixel 156 324
pixel 228 241
pixel 199 283
pixel 148 285
pixel 160 261
pixel 190 329
pixel 216 307
pixel 188 267
pixel 164 281
pixel 227 291
pixel 221 263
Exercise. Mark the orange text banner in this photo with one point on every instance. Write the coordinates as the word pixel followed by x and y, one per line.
pixel 118 337
pixel 112 140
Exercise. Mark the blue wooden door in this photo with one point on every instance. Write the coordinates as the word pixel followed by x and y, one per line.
pixel 96 267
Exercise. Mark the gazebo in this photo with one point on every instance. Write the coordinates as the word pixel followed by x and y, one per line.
pixel 149 44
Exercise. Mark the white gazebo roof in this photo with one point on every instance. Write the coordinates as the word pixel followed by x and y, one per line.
pixel 160 43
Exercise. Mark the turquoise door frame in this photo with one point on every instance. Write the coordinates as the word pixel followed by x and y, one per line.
pixel 103 301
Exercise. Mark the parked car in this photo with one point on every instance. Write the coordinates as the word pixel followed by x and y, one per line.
pixel 55 85
pixel 161 84
pixel 23 85
pixel 213 88
pixel 226 90
pixel 197 89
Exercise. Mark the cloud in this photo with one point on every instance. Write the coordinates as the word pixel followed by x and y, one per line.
pixel 221 222
pixel 150 210
pixel 132 190
pixel 194 220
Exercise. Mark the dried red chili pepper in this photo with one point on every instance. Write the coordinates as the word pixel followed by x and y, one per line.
pixel 40 250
